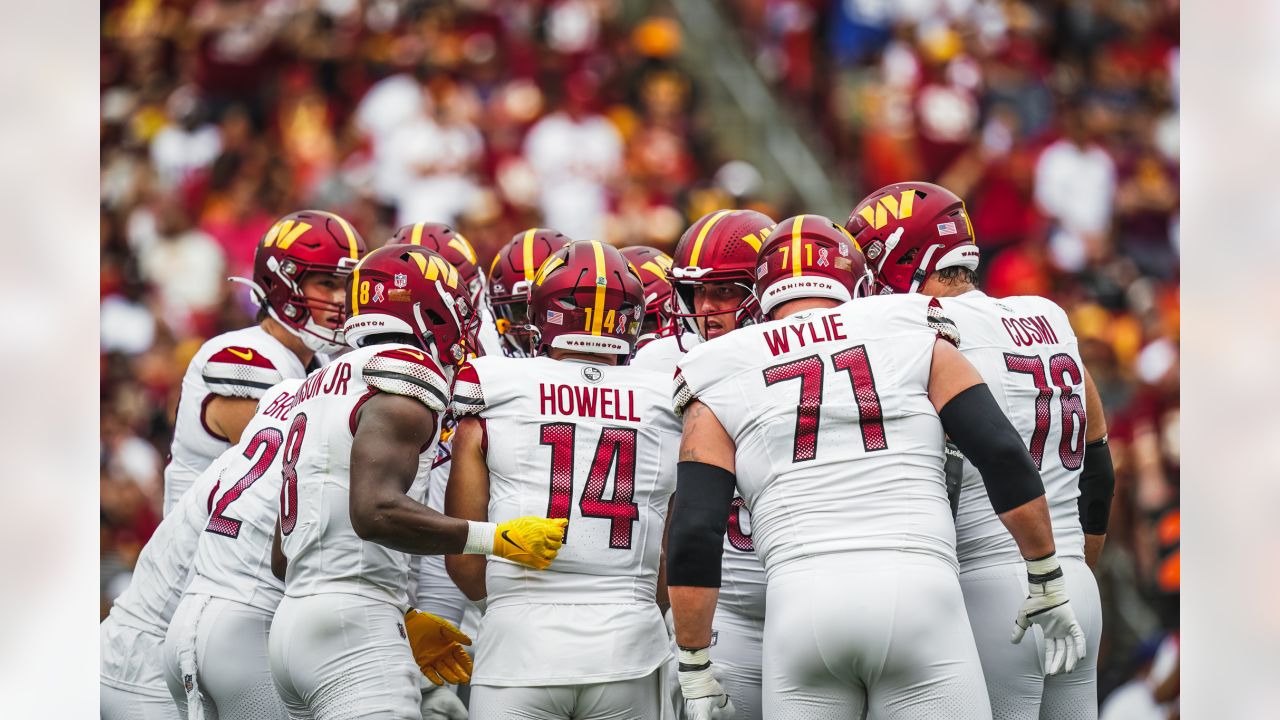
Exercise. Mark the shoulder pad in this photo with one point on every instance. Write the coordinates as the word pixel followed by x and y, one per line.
pixel 941 324
pixel 408 372
pixel 242 372
pixel 468 397
pixel 681 394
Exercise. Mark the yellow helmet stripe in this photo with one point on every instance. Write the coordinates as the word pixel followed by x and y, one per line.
pixel 416 237
pixel 352 249
pixel 796 226
pixel 529 269
pixel 702 235
pixel 597 315
pixel 463 245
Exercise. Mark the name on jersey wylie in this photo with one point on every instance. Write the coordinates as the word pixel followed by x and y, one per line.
pixel 582 401
pixel 330 381
pixel 1030 330
pixel 825 329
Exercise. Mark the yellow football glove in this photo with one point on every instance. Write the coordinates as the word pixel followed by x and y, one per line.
pixel 437 648
pixel 529 540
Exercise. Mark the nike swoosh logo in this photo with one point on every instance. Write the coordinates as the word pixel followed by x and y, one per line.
pixel 507 537
pixel 416 354
pixel 246 356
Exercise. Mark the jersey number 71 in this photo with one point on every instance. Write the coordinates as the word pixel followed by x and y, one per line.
pixel 809 371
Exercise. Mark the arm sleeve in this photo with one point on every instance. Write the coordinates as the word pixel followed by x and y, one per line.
pixel 239 372
pixel 980 430
pixel 403 371
pixel 695 544
pixel 1097 486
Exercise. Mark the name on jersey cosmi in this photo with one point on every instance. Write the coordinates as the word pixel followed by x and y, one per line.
pixel 1030 331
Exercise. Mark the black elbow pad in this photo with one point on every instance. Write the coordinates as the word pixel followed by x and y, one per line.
pixel 980 430
pixel 1097 486
pixel 695 540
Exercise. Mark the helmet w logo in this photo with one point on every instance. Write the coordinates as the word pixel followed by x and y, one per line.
pixel 899 207
pixel 436 267
pixel 284 233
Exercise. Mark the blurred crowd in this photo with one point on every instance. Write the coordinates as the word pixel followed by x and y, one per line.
pixel 1056 119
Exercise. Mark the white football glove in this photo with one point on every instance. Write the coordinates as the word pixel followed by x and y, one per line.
pixel 1048 606
pixel 704 698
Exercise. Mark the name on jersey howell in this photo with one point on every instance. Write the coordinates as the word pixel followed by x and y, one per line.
pixel 582 401
pixel 1030 331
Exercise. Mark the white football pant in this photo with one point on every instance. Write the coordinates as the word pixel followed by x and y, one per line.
pixel 132 682
pixel 1015 673
pixel 339 657
pixel 877 632
pixel 641 698
pixel 215 657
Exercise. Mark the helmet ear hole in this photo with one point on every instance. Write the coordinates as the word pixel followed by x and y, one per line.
pixel 909 256
pixel 435 317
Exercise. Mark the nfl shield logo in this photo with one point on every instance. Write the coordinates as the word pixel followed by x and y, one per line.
pixel 401 280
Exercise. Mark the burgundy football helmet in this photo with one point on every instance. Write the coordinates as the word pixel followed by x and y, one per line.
pixel 653 265
pixel 410 290
pixel 908 230
pixel 720 246
pixel 810 256
pixel 309 241
pixel 510 277
pixel 451 246
pixel 587 297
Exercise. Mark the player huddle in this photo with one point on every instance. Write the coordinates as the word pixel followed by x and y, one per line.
pixel 797 470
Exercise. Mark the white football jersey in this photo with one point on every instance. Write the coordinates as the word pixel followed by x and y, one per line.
pixel 325 555
pixel 233 557
pixel 596 444
pixel 742 581
pixel 164 565
pixel 1026 351
pixel 239 364
pixel 838 446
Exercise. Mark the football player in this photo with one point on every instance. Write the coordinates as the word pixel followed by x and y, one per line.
pixel 712 277
pixel 215 651
pixel 829 421
pixel 455 248
pixel 132 636
pixel 593 443
pixel 298 274
pixel 510 276
pixel 918 238
pixel 360 444
pixel 433 591
pixel 653 266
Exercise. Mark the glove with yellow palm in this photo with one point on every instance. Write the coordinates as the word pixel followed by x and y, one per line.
pixel 530 541
pixel 437 648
